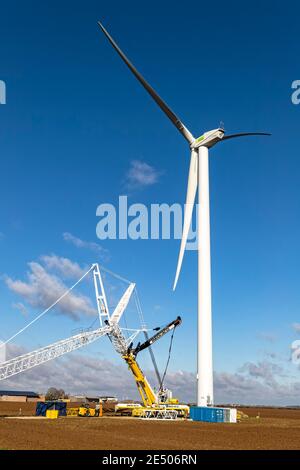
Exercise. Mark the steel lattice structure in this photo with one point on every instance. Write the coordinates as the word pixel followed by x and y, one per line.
pixel 40 356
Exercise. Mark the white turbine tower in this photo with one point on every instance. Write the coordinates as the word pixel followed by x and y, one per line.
pixel 198 179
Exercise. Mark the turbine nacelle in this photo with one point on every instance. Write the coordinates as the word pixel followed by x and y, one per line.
pixel 208 139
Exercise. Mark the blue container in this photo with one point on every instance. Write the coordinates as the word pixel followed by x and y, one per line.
pixel 42 407
pixel 208 414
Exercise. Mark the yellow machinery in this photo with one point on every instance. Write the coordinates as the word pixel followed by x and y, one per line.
pixel 52 414
pixel 85 411
pixel 126 409
pixel 241 415
pixel 159 405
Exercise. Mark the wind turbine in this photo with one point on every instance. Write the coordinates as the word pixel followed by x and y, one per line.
pixel 198 179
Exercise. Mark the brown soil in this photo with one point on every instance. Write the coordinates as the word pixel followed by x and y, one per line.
pixel 15 409
pixel 274 429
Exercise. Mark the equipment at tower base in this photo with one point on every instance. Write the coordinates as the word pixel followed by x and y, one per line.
pixel 213 414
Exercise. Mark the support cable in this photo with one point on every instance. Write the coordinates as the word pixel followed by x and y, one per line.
pixel 144 328
pixel 47 309
pixel 117 276
pixel 169 357
pixel 139 309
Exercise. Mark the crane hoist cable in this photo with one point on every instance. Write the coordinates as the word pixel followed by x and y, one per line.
pixel 148 343
pixel 154 362
pixel 169 357
pixel 143 326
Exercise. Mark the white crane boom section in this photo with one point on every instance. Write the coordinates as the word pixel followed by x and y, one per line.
pixel 122 305
pixel 47 353
pixel 102 306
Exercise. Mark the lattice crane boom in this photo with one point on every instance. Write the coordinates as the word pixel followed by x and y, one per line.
pixel 52 351
pixel 47 353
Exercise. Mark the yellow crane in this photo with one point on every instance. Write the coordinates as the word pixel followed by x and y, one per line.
pixel 155 405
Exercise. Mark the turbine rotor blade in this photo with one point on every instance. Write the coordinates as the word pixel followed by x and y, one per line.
pixel 244 134
pixel 188 209
pixel 163 106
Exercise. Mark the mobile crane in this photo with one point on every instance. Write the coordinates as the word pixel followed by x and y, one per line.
pixel 159 405
pixel 155 405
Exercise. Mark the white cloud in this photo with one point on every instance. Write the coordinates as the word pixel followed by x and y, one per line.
pixel 66 267
pixel 140 174
pixel 92 246
pixel 41 289
pixel 21 307
pixel 268 336
pixel 75 373
pixel 263 370
pixel 296 327
pixel 255 390
pixel 81 373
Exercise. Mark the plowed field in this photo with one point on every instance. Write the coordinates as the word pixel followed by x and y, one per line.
pixel 274 429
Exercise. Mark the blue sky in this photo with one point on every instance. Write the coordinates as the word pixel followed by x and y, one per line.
pixel 76 119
